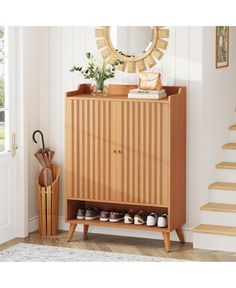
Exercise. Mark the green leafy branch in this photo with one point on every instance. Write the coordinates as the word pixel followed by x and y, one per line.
pixel 98 72
pixel 1 44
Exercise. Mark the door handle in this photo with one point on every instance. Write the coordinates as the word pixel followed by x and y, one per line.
pixel 13 148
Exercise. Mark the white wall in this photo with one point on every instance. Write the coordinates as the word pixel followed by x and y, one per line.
pixel 188 61
pixel 31 88
pixel 219 98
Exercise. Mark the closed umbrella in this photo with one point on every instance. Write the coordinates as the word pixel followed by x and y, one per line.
pixel 44 157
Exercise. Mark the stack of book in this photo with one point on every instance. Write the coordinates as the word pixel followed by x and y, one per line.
pixel 145 94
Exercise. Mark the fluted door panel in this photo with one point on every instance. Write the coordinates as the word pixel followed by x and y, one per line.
pixel 90 146
pixel 143 164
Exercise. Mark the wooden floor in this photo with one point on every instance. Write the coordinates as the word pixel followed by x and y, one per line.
pixel 129 245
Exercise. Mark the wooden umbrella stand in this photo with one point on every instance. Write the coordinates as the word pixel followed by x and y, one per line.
pixel 48 202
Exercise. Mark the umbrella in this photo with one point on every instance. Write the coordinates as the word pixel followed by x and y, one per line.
pixel 44 157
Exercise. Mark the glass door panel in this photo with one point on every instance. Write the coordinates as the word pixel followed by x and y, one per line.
pixel 3 94
pixel 2 131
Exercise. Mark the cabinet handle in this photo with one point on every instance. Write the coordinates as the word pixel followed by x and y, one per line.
pixel 119 151
pixel 115 151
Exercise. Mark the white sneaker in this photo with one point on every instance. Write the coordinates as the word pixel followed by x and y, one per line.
pixel 162 221
pixel 152 219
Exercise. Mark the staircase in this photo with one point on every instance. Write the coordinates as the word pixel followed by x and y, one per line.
pixel 219 215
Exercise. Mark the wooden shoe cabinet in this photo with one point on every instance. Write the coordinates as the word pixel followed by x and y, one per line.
pixel 126 153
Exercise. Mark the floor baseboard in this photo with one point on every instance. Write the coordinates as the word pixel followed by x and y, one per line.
pixel 33 224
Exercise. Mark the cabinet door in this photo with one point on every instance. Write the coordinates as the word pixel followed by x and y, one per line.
pixel 90 145
pixel 143 164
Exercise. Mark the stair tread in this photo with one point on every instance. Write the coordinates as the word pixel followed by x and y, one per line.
pixel 229 146
pixel 215 229
pixel 223 186
pixel 232 127
pixel 219 207
pixel 226 165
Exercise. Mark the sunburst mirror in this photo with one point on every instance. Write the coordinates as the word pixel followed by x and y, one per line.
pixel 139 48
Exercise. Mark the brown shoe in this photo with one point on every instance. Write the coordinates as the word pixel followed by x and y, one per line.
pixel 81 213
pixel 117 216
pixel 92 213
pixel 140 218
pixel 104 217
pixel 129 217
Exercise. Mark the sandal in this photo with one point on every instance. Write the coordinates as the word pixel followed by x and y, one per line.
pixel 140 218
pixel 129 217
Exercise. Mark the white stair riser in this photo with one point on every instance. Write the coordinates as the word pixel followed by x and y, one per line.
pixel 226 175
pixel 228 155
pixel 231 136
pixel 214 242
pixel 218 218
pixel 222 196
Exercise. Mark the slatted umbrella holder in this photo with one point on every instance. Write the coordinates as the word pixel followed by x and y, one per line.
pixel 48 203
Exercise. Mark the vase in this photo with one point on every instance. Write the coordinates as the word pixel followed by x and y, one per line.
pixel 99 88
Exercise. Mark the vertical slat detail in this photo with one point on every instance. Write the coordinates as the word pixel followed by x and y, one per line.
pixel 113 146
pixel 136 152
pixel 85 148
pixel 120 154
pixel 126 150
pixel 141 153
pixel 49 210
pixel 44 212
pixel 106 150
pixel 89 158
pixel 158 158
pixel 101 145
pixel 147 152
pixel 96 123
pixel 74 148
pixel 91 150
pixel 80 192
pixel 131 138
pixel 152 153
pixel 144 152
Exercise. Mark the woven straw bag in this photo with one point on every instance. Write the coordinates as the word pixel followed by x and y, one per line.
pixel 150 81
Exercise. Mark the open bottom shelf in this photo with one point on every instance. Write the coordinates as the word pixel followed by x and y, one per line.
pixel 117 225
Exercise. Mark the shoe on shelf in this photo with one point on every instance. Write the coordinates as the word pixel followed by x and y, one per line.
pixel 117 216
pixel 92 214
pixel 129 217
pixel 162 221
pixel 81 213
pixel 140 218
pixel 105 215
pixel 152 219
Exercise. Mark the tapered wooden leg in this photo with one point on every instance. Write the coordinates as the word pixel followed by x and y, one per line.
pixel 180 234
pixel 166 236
pixel 71 231
pixel 86 227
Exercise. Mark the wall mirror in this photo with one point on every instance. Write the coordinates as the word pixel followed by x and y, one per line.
pixel 139 47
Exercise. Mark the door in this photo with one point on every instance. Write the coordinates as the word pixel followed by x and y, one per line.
pixel 91 149
pixel 7 138
pixel 143 152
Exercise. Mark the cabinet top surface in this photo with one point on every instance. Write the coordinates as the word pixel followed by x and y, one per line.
pixel 111 97
pixel 120 93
